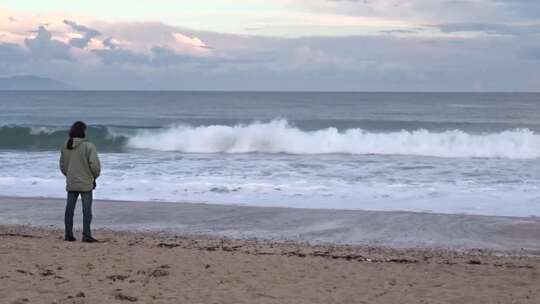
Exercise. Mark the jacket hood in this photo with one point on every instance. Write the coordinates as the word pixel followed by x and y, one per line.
pixel 77 142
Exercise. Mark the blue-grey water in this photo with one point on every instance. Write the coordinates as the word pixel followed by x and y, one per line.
pixel 437 152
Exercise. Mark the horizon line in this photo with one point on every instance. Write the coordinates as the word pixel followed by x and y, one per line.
pixel 263 91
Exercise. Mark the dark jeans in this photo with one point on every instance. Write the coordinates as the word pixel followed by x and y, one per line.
pixel 87 211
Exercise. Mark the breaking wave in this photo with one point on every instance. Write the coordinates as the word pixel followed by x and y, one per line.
pixel 278 136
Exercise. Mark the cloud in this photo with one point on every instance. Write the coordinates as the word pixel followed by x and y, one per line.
pixel 114 53
pixel 431 12
pixel 156 56
pixel 530 53
pixel 398 31
pixel 109 43
pixel 314 59
pixel 490 28
pixel 522 8
pixel 193 45
pixel 161 56
pixel 450 56
pixel 381 63
pixel 88 34
pixel 12 54
pixel 118 55
pixel 43 47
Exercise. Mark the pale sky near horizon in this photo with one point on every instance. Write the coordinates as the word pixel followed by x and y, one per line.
pixel 281 18
pixel 383 45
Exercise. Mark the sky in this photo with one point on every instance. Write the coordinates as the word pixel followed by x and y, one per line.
pixel 308 45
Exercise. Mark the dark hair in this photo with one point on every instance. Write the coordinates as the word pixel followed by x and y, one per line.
pixel 78 129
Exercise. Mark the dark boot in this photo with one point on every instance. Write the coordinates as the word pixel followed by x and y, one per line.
pixel 89 239
pixel 70 238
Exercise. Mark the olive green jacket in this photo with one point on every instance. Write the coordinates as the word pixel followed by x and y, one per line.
pixel 80 166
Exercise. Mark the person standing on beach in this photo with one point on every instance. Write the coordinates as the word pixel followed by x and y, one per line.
pixel 80 165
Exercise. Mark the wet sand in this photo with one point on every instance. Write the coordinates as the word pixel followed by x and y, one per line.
pixel 394 229
pixel 197 253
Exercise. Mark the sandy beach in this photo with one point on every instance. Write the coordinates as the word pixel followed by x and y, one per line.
pixel 203 258
pixel 37 266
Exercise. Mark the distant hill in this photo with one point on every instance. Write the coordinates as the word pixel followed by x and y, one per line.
pixel 28 82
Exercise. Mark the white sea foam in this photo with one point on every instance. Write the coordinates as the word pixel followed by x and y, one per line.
pixel 39 130
pixel 278 136
pixel 475 186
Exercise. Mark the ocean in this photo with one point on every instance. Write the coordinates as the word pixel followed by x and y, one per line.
pixel 472 153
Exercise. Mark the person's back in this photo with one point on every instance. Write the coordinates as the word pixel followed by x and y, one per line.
pixel 79 162
pixel 80 165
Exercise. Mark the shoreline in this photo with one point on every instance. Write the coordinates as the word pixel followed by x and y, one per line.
pixel 396 229
pixel 37 266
